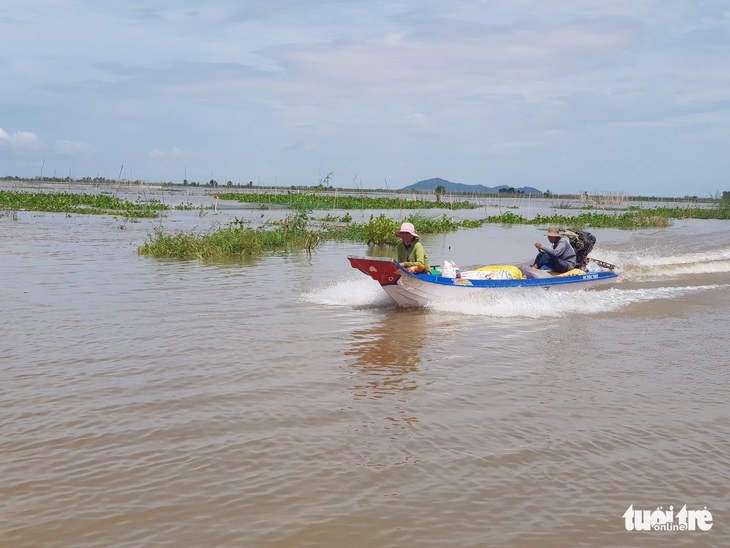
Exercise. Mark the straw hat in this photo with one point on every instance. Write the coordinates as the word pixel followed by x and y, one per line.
pixel 554 231
pixel 407 228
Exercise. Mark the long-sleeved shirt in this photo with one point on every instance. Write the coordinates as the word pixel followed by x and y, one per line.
pixel 413 255
pixel 562 250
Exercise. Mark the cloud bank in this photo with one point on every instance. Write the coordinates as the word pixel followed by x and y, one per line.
pixel 568 96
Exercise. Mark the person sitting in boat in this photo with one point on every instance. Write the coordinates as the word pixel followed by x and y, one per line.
pixel 410 252
pixel 559 257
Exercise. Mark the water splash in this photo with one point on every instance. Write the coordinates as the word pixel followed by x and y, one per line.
pixel 507 303
pixel 351 293
pixel 647 265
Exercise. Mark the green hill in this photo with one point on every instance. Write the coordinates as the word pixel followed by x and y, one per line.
pixel 431 184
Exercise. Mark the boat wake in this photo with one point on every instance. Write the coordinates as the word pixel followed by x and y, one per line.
pixel 553 304
pixel 652 265
pixel 508 303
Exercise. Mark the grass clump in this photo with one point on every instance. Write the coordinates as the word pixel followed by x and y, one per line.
pixel 225 243
pixel 381 229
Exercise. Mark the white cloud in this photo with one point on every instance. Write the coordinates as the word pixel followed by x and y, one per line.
pixel 459 62
pixel 20 141
pixel 284 89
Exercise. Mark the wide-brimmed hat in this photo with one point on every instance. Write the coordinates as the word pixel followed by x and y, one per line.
pixel 553 231
pixel 407 228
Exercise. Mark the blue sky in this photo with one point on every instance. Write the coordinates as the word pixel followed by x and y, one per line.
pixel 572 95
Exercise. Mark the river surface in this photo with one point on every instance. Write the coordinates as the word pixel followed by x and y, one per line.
pixel 285 401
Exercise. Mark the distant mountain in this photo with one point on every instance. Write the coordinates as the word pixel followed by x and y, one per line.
pixel 431 184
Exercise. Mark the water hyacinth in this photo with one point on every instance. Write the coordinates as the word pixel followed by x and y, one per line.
pixel 63 202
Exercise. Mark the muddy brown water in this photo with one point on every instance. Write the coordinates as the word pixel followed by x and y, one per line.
pixel 286 402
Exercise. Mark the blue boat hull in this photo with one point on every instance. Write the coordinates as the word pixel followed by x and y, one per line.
pixel 408 289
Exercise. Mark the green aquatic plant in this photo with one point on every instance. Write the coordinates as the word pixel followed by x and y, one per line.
pixel 380 230
pixel 329 218
pixel 319 201
pixel 471 223
pixel 295 232
pixel 426 224
pixel 62 202
pixel 300 218
pixel 189 206
pixel 234 240
pixel 628 220
pixel 507 218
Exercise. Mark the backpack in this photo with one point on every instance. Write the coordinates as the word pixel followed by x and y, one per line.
pixel 582 242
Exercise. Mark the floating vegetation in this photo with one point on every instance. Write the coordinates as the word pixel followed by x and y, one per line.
pixel 235 240
pixel 62 202
pixel 628 220
pixel 689 212
pixel 319 201
pixel 381 229
pixel 649 218
pixel 296 232
pixel 299 231
pixel 329 218
pixel 225 243
pixel 293 233
pixel 190 206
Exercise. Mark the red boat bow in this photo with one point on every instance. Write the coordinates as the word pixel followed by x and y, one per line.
pixel 382 271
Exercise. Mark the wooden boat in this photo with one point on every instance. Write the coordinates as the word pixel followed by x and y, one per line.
pixel 409 290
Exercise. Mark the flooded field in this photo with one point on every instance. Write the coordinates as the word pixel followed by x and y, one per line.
pixel 285 401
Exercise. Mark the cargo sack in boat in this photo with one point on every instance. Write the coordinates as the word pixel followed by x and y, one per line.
pixel 481 274
pixel 582 242
pixel 449 270
pixel 572 272
pixel 515 272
